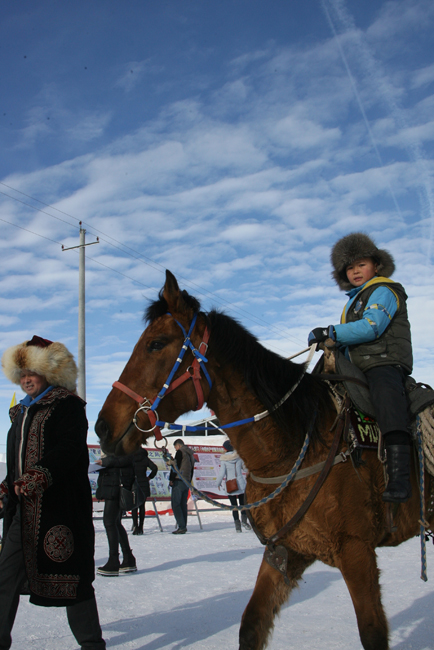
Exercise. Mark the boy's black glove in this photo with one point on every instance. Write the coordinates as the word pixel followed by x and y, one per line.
pixel 320 334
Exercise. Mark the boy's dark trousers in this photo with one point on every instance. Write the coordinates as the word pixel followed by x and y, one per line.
pixel 388 397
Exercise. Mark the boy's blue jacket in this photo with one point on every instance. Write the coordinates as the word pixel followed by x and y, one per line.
pixel 374 325
pixel 376 317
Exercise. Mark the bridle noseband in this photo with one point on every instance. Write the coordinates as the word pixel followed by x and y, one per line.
pixel 149 406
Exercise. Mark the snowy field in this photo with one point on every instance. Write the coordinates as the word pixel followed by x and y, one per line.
pixel 190 591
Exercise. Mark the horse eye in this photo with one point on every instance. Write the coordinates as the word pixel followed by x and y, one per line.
pixel 156 345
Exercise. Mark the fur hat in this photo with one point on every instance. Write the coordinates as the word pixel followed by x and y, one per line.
pixel 354 247
pixel 51 360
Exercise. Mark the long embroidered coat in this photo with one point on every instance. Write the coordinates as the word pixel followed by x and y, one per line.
pixel 47 450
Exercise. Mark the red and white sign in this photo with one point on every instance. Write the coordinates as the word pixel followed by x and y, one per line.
pixel 207 469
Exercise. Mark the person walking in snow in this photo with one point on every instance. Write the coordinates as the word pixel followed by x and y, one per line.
pixel 48 544
pixel 374 333
pixel 116 470
pixel 231 468
pixel 184 461
pixel 141 464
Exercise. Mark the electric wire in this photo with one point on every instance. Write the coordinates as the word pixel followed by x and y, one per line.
pixel 142 284
pixel 144 260
pixel 31 231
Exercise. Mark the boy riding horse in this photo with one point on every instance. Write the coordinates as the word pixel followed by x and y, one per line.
pixel 374 333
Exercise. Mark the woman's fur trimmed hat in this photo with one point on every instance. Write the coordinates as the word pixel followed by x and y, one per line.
pixel 354 247
pixel 50 359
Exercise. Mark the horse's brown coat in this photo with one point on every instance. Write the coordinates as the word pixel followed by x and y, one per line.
pixel 347 520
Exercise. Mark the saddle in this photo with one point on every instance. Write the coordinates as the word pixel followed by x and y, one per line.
pixel 352 381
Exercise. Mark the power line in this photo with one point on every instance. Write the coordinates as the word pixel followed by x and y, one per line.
pixel 93 260
pixel 14 198
pixel 31 231
pixel 145 260
pixel 89 258
pixel 120 273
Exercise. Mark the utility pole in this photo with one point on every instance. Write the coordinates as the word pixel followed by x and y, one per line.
pixel 81 382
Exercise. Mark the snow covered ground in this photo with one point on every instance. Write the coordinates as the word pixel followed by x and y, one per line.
pixel 190 591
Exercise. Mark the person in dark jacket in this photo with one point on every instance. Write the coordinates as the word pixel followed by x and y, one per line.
pixel 48 529
pixel 374 333
pixel 184 461
pixel 117 471
pixel 141 464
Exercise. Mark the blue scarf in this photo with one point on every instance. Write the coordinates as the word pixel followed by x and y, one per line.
pixel 29 401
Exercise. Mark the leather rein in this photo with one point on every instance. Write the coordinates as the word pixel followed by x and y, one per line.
pixel 277 556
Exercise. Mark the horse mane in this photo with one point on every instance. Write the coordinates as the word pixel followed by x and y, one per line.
pixel 270 376
pixel 160 307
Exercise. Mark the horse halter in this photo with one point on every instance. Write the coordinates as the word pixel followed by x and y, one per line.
pixel 149 406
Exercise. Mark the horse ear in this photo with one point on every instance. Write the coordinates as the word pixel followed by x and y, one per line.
pixel 171 292
pixel 176 299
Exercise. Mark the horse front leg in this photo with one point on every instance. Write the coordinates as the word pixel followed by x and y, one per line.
pixel 358 565
pixel 270 592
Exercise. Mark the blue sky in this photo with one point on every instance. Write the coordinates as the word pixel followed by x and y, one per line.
pixel 231 141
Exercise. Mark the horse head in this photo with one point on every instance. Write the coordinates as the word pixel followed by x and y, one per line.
pixel 128 415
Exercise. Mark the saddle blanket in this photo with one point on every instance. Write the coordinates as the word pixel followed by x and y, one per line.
pixel 365 429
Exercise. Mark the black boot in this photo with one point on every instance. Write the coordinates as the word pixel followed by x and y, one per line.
pixel 129 563
pixel 398 489
pixel 245 521
pixel 110 568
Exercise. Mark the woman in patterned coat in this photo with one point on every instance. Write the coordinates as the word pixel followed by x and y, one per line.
pixel 48 528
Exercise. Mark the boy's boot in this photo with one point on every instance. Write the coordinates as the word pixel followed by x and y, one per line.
pixel 128 564
pixel 110 568
pixel 238 526
pixel 398 489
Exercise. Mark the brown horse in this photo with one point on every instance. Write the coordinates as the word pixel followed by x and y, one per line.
pixel 346 521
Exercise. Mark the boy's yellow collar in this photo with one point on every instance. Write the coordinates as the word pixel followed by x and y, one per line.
pixel 376 280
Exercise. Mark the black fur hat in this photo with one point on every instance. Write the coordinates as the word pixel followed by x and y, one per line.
pixel 354 247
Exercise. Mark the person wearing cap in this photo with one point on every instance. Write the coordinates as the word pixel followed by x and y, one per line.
pixel 374 333
pixel 184 461
pixel 231 468
pixel 48 549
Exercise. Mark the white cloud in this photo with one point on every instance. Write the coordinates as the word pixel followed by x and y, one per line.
pixel 133 73
pixel 423 76
pixel 240 190
pixel 299 133
pixel 50 117
pixel 422 133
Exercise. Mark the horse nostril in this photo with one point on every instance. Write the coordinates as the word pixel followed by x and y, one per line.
pixel 101 429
